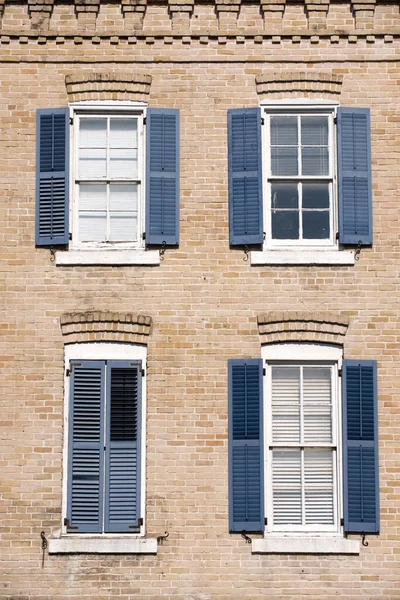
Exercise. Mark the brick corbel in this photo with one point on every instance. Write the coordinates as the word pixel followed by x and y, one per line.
pixel 2 3
pixel 227 12
pixel 317 11
pixel 180 12
pixel 86 12
pixel 272 13
pixel 297 326
pixel 99 326
pixel 133 12
pixel 364 12
pixel 40 12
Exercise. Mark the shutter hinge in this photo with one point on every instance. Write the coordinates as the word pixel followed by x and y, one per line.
pixel 142 372
pixel 138 524
pixel 144 235
pixel 265 521
pixel 341 522
pixel 335 120
pixel 71 121
pixel 337 235
pixel 70 236
pixel 340 372
pixel 68 524
pixel 264 372
pixel 68 372
pixel 144 121
pixel 262 121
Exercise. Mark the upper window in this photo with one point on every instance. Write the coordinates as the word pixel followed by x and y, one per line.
pixel 107 179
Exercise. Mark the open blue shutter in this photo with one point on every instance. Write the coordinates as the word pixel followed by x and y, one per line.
pixel 122 512
pixel 246 464
pixel 245 176
pixel 354 176
pixel 52 176
pixel 162 177
pixel 360 447
pixel 86 447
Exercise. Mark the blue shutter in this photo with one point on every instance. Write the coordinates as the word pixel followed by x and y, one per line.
pixel 246 464
pixel 245 177
pixel 86 447
pixel 122 511
pixel 52 176
pixel 360 447
pixel 162 177
pixel 354 176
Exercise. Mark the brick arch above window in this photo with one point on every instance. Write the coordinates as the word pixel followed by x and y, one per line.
pixel 321 327
pixel 108 85
pixel 299 84
pixel 98 326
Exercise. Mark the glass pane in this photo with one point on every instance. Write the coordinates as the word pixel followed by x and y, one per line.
pixel 284 131
pixel 285 404
pixel 317 403
pixel 123 163
pixel 285 225
pixel 315 195
pixel 123 197
pixel 284 195
pixel 284 161
pixel 123 228
pixel 92 133
pixel 316 225
pixel 92 228
pixel 92 196
pixel 123 133
pixel 315 161
pixel 92 164
pixel 314 131
pixel 286 486
pixel 318 484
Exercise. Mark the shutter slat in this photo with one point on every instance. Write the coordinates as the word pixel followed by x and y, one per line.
pixel 245 176
pixel 360 447
pixel 354 176
pixel 246 486
pixel 52 176
pixel 162 177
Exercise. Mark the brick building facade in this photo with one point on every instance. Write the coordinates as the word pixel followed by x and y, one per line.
pixel 206 274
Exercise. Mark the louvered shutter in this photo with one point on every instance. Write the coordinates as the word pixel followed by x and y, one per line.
pixel 52 176
pixel 245 176
pixel 86 452
pixel 162 177
pixel 354 176
pixel 246 468
pixel 360 447
pixel 122 511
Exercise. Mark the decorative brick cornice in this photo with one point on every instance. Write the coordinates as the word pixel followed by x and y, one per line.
pixel 108 86
pixel 40 12
pixel 325 327
pixel 98 326
pixel 133 12
pixel 299 81
pixel 87 11
pixel 317 11
pixel 364 11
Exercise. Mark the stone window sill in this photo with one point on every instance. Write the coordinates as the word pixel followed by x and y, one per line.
pixel 102 545
pixel 305 545
pixel 108 257
pixel 302 257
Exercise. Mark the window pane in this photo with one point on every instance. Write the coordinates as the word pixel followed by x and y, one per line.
pixel 314 131
pixel 92 164
pixel 92 133
pixel 315 195
pixel 286 487
pixel 285 225
pixel 285 404
pixel 317 403
pixel 123 228
pixel 92 196
pixel 92 228
pixel 123 197
pixel 123 133
pixel 316 225
pixel 284 131
pixel 315 161
pixel 123 163
pixel 284 161
pixel 318 484
pixel 284 195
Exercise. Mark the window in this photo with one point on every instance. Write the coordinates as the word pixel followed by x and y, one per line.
pixel 107 184
pixel 300 181
pixel 296 473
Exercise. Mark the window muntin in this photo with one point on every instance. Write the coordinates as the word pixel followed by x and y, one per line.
pixel 108 178
pixel 302 447
pixel 299 182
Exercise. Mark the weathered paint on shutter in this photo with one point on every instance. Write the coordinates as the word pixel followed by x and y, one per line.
pixel 122 510
pixel 52 176
pixel 246 465
pixel 354 176
pixel 245 176
pixel 360 447
pixel 85 450
pixel 162 177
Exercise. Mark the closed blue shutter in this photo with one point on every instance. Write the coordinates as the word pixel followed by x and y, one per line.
pixel 162 177
pixel 245 177
pixel 360 447
pixel 246 465
pixel 86 451
pixel 354 176
pixel 122 511
pixel 52 176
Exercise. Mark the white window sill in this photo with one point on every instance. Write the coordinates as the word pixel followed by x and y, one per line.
pixel 102 545
pixel 302 257
pixel 305 545
pixel 108 257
